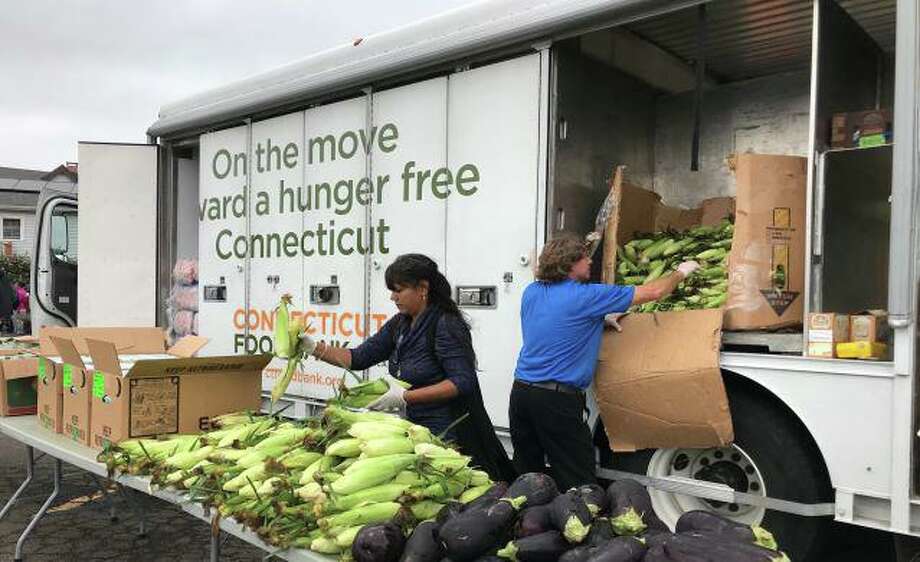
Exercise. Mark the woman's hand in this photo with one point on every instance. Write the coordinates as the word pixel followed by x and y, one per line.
pixel 393 401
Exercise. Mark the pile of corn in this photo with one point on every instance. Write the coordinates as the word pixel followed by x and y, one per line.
pixel 647 258
pixel 312 483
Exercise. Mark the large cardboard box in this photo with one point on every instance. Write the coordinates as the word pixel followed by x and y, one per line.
pixel 870 326
pixel 658 382
pixel 162 396
pixel 767 261
pixel 18 390
pixel 50 396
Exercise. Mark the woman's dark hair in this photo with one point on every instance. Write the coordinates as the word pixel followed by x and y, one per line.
pixel 409 270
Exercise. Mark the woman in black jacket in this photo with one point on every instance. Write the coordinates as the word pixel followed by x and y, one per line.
pixel 428 345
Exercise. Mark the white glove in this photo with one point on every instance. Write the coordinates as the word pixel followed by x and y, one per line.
pixel 309 344
pixel 393 400
pixel 688 267
pixel 612 320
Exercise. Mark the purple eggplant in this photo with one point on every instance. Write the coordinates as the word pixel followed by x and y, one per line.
pixel 706 521
pixel 581 553
pixel 378 543
pixel 449 511
pixel 477 531
pixel 594 497
pixel 620 549
pixel 498 490
pixel 569 514
pixel 601 532
pixel 629 502
pixel 538 488
pixel 545 547
pixel 533 521
pixel 716 548
pixel 423 544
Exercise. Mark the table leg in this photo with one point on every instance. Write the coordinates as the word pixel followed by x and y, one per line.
pixel 135 504
pixel 215 546
pixel 41 511
pixel 30 468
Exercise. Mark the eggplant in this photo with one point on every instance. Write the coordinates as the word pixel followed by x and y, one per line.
pixel 498 490
pixel 538 488
pixel 476 531
pixel 533 521
pixel 450 510
pixel 716 548
pixel 581 553
pixel 629 502
pixel 490 558
pixel 545 547
pixel 601 532
pixel 423 544
pixel 700 520
pixel 378 543
pixel 656 537
pixel 569 514
pixel 594 497
pixel 620 549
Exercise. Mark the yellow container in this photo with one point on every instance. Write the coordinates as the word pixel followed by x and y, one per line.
pixel 862 350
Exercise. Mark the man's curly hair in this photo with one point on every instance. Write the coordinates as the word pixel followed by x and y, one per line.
pixel 558 257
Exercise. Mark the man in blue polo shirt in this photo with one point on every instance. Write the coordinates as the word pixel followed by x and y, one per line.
pixel 562 318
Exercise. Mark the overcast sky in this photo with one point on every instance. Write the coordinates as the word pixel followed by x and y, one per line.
pixel 100 69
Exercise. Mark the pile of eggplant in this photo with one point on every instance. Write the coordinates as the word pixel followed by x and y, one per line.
pixel 532 521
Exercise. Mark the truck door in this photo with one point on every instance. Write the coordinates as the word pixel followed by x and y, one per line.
pixel 54 291
pixel 117 283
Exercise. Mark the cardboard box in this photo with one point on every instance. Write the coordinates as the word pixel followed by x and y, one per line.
pixel 658 382
pixel 851 129
pixel 767 260
pixel 869 326
pixel 825 331
pixel 862 350
pixel 18 379
pixel 162 396
pixel 64 405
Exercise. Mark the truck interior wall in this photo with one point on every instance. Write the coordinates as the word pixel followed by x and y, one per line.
pixel 186 208
pixel 766 115
pixel 608 119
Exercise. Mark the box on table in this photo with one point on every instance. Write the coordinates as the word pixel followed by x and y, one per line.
pixel 162 396
pixel 65 389
pixel 825 330
pixel 18 379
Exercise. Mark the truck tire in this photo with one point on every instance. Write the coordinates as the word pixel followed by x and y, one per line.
pixel 772 454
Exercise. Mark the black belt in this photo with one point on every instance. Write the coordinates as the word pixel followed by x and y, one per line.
pixel 551 385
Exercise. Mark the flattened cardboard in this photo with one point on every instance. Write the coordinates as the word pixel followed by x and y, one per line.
pixel 160 396
pixel 187 346
pixel 767 260
pixel 131 340
pixel 715 210
pixel 658 382
pixel 18 379
pixel 76 405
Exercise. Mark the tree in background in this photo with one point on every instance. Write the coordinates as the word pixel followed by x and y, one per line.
pixel 17 268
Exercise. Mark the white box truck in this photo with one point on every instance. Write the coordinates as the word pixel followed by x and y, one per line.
pixel 473 137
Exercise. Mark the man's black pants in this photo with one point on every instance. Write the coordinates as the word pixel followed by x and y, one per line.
pixel 550 423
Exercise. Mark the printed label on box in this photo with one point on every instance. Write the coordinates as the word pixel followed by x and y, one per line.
pixel 154 406
pixel 68 376
pixel 98 385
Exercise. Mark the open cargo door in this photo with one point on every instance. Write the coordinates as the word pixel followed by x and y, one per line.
pixel 117 279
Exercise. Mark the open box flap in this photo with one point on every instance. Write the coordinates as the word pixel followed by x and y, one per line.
pixel 198 366
pixel 188 346
pixel 67 352
pixel 105 356
pixel 658 383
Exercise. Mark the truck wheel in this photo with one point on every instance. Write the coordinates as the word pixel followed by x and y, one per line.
pixel 772 456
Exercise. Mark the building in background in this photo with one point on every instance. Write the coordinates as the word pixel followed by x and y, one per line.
pixel 19 192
